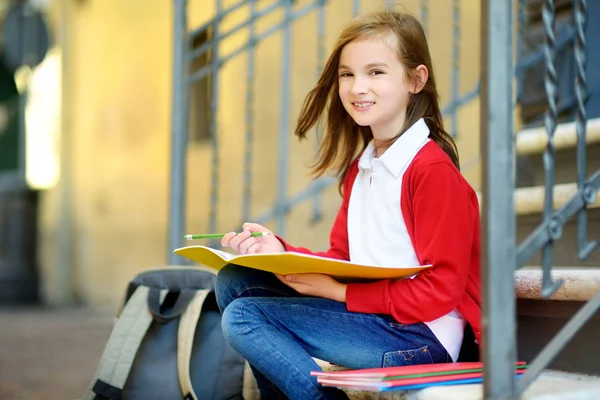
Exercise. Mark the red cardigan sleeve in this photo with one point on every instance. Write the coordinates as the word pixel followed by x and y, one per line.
pixel 441 226
pixel 338 237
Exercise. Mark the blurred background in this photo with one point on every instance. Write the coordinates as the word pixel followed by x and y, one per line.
pixel 88 118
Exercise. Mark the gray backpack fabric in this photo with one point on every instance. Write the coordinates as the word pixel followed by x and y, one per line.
pixel 167 343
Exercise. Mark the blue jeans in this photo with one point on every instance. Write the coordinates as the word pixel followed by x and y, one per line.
pixel 279 331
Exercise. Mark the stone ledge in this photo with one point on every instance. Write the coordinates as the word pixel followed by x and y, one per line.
pixel 550 385
pixel 580 283
pixel 534 140
pixel 530 200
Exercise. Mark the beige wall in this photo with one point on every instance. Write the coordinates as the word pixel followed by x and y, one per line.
pixel 117 120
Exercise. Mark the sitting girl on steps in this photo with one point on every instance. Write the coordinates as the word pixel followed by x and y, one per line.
pixel 405 203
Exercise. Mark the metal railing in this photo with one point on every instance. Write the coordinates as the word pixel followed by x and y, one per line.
pixel 501 256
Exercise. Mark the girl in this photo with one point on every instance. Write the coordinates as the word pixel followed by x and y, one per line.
pixel 404 203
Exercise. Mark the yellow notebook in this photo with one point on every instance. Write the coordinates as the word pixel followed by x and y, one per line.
pixel 294 263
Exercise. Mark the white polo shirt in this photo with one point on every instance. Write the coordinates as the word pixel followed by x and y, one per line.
pixel 377 233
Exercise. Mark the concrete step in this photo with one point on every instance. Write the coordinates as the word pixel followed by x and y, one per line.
pixel 580 283
pixel 530 200
pixel 539 320
pixel 531 143
pixel 566 249
pixel 550 385
pixel 529 206
pixel 534 140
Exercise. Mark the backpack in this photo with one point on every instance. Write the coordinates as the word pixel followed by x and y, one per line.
pixel 167 343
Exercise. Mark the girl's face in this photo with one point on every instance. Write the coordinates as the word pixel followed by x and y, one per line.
pixel 373 86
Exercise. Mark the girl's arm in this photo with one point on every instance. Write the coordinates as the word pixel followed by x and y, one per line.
pixel 445 223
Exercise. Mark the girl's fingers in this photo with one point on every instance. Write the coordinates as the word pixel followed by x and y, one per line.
pixel 282 279
pixel 249 246
pixel 242 242
pixel 225 240
pixel 236 241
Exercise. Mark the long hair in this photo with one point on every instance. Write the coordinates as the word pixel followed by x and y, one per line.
pixel 344 140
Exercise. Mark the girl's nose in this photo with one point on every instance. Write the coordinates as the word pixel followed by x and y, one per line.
pixel 359 86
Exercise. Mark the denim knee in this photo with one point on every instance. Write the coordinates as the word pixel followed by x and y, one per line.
pixel 225 287
pixel 233 322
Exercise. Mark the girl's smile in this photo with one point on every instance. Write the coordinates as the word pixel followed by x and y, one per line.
pixel 363 106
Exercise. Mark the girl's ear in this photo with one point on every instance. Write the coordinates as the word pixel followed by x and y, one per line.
pixel 420 76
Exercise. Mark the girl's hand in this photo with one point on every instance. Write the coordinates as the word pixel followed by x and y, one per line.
pixel 243 243
pixel 319 285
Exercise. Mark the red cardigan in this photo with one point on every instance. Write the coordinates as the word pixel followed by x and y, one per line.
pixel 441 213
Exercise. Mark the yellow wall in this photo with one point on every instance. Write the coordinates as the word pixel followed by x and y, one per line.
pixel 117 122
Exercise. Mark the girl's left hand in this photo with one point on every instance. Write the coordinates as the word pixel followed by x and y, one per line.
pixel 318 285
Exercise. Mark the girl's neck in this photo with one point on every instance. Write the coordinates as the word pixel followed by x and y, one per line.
pixel 380 148
pixel 382 134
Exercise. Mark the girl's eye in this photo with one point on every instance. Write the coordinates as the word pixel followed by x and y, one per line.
pixel 376 72
pixel 345 74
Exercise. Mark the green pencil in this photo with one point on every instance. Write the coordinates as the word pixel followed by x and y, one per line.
pixel 219 235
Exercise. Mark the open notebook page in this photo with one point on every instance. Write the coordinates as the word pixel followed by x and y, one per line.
pixel 224 254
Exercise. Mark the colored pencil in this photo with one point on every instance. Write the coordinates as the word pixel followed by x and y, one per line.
pixel 219 235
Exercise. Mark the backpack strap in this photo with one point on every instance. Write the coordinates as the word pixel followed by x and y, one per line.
pixel 185 341
pixel 122 347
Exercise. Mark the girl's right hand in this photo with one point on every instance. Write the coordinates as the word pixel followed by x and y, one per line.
pixel 243 243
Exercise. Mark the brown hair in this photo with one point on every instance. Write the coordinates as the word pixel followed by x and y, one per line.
pixel 341 143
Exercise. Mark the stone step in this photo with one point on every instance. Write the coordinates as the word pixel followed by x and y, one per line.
pixel 550 385
pixel 531 143
pixel 579 283
pixel 529 206
pixel 539 319
pixel 530 200
pixel 566 249
pixel 534 140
